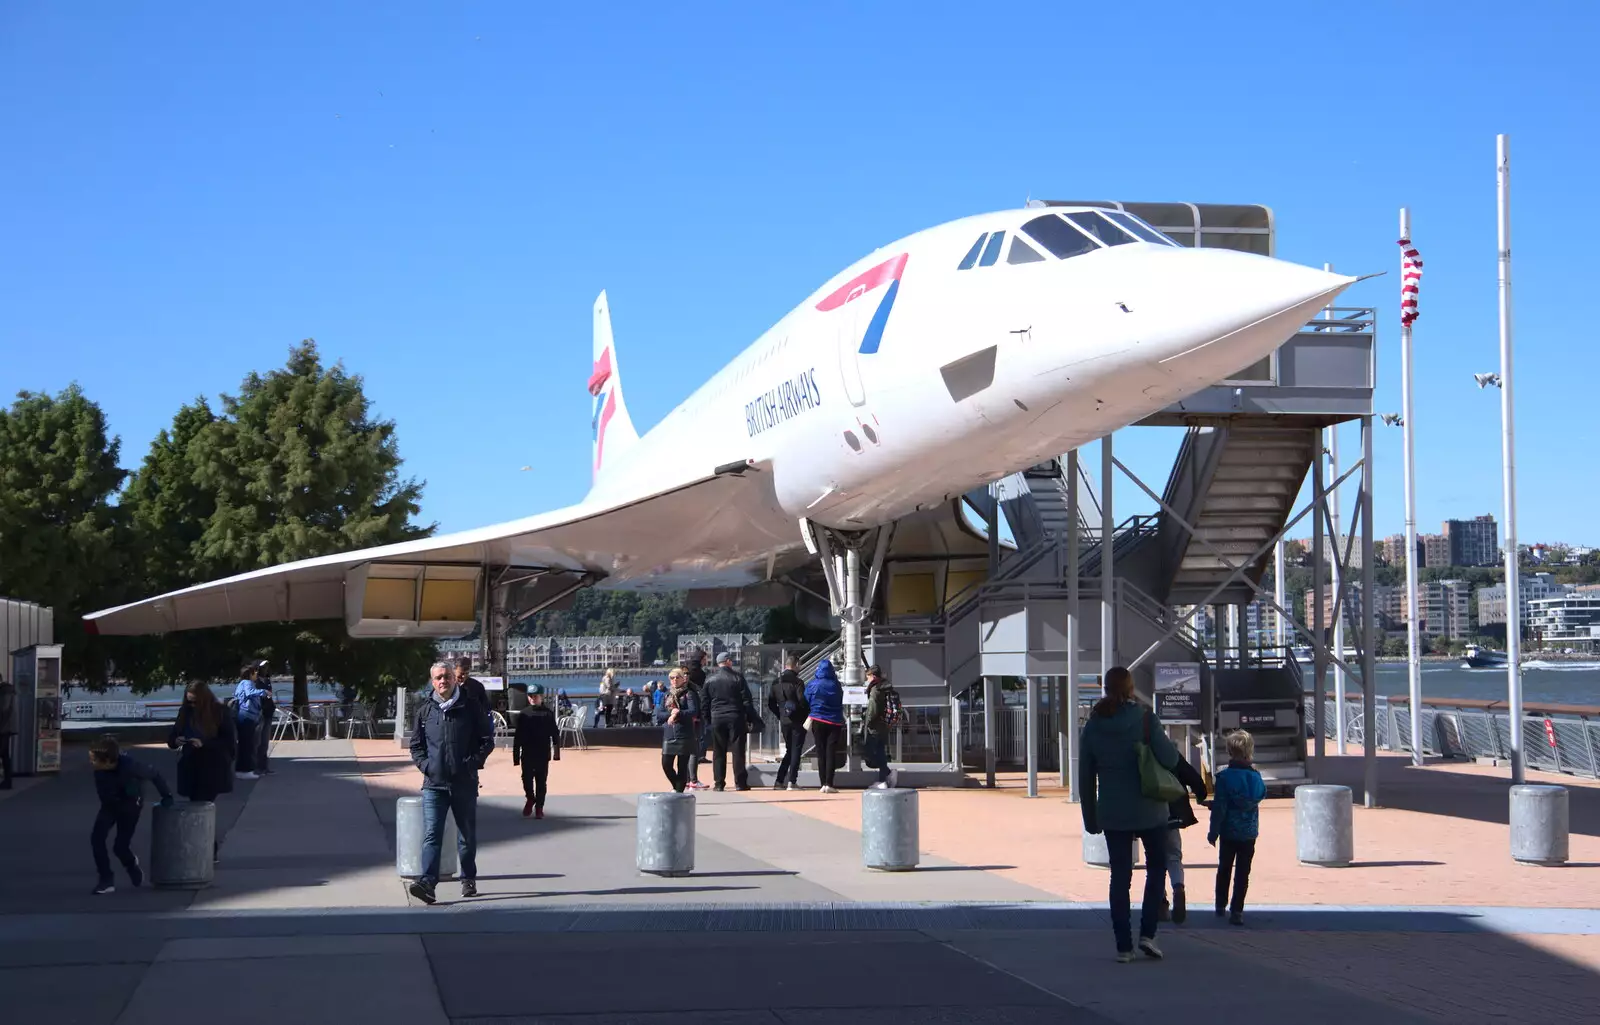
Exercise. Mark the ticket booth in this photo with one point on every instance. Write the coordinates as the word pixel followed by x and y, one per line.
pixel 36 672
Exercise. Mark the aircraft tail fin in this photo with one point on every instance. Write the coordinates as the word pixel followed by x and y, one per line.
pixel 614 432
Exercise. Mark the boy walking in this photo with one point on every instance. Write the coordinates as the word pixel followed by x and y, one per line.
pixel 1235 820
pixel 1180 815
pixel 119 781
pixel 537 736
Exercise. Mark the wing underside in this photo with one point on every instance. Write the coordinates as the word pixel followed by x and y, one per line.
pixel 718 531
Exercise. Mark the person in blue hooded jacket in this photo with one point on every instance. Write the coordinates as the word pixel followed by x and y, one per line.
pixel 825 698
pixel 247 713
pixel 1236 821
pixel 1113 802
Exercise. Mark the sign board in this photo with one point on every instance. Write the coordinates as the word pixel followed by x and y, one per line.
pixel 493 682
pixel 1257 720
pixel 1177 693
pixel 1550 732
pixel 855 695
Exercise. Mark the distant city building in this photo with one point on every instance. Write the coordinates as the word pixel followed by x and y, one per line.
pixel 1445 610
pixel 1533 586
pixel 1435 551
pixel 715 644
pixel 1567 621
pixel 1394 550
pixel 1388 608
pixel 1474 542
pixel 531 654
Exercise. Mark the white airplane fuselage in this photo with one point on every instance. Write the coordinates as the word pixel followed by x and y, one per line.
pixel 973 370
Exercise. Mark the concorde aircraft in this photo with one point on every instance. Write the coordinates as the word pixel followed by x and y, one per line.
pixel 935 365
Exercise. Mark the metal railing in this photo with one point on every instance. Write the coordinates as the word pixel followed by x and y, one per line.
pixel 1562 739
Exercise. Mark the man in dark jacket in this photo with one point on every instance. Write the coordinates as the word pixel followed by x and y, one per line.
pixel 694 666
pixel 119 782
pixel 731 711
pixel 450 743
pixel 537 736
pixel 787 703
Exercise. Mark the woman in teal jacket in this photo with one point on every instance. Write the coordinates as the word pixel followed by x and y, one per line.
pixel 1113 803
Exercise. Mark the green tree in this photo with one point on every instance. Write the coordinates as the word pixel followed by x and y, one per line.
pixel 59 530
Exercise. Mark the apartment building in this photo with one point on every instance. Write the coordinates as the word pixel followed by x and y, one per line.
pixel 532 654
pixel 1474 542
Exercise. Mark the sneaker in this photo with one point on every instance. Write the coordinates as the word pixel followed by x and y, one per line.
pixel 136 873
pixel 744 786
pixel 469 887
pixel 104 886
pixel 1222 912
pixel 780 785
pixel 527 807
pixel 1124 957
pixel 717 788
pixel 880 785
pixel 1237 918
pixel 829 790
pixel 894 778
pixel 695 784
pixel 1147 946
pixel 1180 906
pixel 245 775
pixel 538 813
pixel 423 891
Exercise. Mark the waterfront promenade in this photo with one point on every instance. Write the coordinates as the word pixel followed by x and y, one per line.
pixel 1003 923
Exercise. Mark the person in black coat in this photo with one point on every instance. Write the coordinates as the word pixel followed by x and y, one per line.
pixel 787 703
pixel 536 742
pixel 731 711
pixel 449 744
pixel 207 744
pixel 695 668
pixel 1180 815
pixel 677 716
pixel 119 781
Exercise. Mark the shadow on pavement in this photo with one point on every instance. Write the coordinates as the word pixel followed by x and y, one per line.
pixel 1437 791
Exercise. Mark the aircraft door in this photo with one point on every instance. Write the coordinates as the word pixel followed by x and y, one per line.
pixel 852 322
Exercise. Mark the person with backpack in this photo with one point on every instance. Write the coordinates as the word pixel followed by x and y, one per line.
pixel 787 703
pixel 1119 741
pixel 1236 821
pixel 883 714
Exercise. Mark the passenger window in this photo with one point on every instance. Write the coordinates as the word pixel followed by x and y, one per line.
pixel 1101 229
pixel 991 252
pixel 1057 236
pixel 972 254
pixel 1139 228
pixel 1021 252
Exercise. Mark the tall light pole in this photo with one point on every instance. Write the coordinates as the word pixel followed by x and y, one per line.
pixel 1332 438
pixel 1410 264
pixel 1508 447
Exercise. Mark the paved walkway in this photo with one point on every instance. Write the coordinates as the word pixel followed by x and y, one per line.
pixel 1002 923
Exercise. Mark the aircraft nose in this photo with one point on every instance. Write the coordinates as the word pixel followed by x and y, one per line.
pixel 1219 308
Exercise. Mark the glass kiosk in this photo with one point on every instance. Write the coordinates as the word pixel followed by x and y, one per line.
pixel 36 672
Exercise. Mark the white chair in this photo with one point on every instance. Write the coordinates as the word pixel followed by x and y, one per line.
pixel 502 729
pixel 572 726
pixel 360 719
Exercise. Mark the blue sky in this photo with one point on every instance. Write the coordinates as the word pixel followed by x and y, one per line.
pixel 438 195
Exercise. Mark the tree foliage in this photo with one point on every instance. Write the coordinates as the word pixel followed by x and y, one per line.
pixel 59 530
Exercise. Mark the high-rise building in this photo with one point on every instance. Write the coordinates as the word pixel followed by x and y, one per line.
pixel 1567 621
pixel 1492 599
pixel 1445 610
pixel 1435 551
pixel 1394 549
pixel 1474 542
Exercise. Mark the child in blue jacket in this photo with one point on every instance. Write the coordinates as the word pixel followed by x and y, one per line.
pixel 119 782
pixel 1235 820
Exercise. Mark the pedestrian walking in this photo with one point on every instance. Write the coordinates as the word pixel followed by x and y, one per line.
pixel 884 712
pixel 733 714
pixel 8 729
pixel 608 698
pixel 535 744
pixel 676 717
pixel 119 781
pixel 1114 801
pixel 269 709
pixel 1236 822
pixel 449 744
pixel 207 742
pixel 787 703
pixel 825 717
pixel 695 667
pixel 247 713
pixel 1180 816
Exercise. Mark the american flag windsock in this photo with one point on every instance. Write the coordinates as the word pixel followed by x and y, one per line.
pixel 1410 281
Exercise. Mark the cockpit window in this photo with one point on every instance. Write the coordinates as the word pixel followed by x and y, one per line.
pixel 991 252
pixel 972 254
pixel 1021 252
pixel 1059 237
pixel 1139 227
pixel 1101 228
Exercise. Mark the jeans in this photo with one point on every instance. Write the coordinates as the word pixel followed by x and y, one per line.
pixel 1119 847
pixel 245 760
pixel 124 815
pixel 729 737
pixel 827 736
pixel 794 742
pixel 876 754
pixel 535 772
pixel 1175 855
pixel 1234 858
pixel 676 766
pixel 459 799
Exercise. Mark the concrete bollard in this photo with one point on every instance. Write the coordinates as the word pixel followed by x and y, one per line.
pixel 890 830
pixel 183 845
pixel 666 834
pixel 1096 853
pixel 1539 824
pixel 408 840
pixel 1324 832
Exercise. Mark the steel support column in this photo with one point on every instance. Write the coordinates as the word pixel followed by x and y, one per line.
pixel 1369 736
pixel 1108 537
pixel 1069 710
pixel 1319 658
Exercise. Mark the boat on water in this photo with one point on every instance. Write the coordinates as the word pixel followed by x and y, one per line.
pixel 1482 658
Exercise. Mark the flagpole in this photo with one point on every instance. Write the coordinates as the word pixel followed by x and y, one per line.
pixel 1413 628
pixel 1509 461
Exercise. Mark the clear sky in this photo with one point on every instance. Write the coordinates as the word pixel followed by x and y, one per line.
pixel 436 193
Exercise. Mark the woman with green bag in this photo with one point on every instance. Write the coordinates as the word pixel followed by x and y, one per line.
pixel 1125 782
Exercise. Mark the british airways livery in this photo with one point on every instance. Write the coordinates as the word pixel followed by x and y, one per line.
pixel 940 363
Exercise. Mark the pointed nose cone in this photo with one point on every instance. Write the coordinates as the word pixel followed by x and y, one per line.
pixel 1219 311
